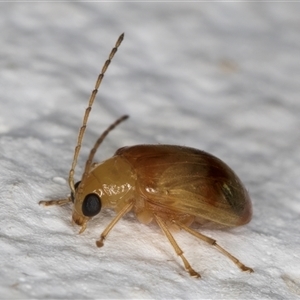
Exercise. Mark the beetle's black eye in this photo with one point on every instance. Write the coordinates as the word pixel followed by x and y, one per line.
pixel 91 205
pixel 76 186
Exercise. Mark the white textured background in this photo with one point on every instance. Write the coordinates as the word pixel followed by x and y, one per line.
pixel 222 77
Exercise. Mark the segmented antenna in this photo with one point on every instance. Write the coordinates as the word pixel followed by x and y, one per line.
pixel 87 112
pixel 98 143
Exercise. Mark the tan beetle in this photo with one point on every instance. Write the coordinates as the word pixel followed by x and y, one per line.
pixel 171 185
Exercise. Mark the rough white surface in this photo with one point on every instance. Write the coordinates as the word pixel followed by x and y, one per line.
pixel 222 77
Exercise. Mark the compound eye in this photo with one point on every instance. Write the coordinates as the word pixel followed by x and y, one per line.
pixel 76 186
pixel 91 205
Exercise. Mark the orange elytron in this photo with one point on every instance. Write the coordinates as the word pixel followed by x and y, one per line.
pixel 171 185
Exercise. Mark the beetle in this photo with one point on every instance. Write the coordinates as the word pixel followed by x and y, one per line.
pixel 173 186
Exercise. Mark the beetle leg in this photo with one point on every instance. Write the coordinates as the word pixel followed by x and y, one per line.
pixel 114 221
pixel 177 249
pixel 214 243
pixel 59 202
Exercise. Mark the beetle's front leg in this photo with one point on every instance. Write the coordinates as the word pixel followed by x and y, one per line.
pixel 114 221
pixel 59 202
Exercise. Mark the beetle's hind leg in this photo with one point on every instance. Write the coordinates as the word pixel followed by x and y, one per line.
pixel 213 243
pixel 177 249
pixel 59 202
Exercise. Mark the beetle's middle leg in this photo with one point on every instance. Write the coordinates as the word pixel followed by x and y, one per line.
pixel 177 249
pixel 213 243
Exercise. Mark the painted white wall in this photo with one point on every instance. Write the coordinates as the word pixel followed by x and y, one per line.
pixel 222 77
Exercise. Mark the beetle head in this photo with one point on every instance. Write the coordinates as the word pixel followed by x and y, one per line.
pixel 86 205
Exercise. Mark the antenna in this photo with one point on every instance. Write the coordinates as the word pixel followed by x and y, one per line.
pixel 98 143
pixel 87 112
